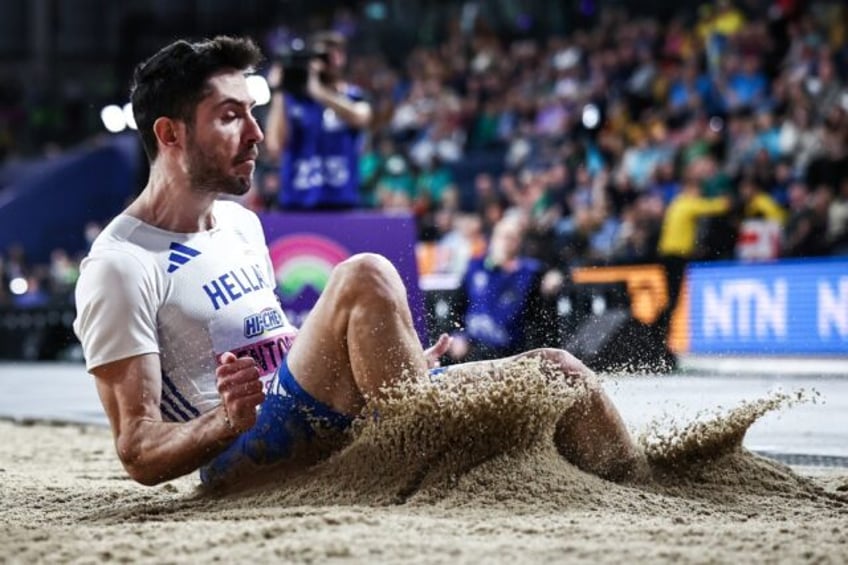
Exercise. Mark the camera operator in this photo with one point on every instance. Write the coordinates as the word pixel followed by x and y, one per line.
pixel 315 126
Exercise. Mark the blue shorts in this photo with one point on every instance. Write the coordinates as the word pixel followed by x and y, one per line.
pixel 289 416
pixel 436 372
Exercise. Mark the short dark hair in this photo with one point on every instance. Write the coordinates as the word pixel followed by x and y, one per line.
pixel 173 81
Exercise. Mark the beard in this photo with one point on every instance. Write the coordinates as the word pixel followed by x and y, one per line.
pixel 206 174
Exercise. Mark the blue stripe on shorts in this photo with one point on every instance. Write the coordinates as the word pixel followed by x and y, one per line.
pixel 435 373
pixel 287 417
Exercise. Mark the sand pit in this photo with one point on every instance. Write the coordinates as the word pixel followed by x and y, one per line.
pixel 459 473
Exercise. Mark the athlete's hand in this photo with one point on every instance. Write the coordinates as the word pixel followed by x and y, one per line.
pixel 240 389
pixel 434 352
pixel 459 348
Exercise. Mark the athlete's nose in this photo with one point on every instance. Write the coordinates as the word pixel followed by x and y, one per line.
pixel 254 133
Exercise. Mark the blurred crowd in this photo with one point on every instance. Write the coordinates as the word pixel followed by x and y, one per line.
pixel 720 133
pixel 26 284
pixel 735 115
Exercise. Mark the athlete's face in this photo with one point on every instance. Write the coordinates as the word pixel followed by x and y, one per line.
pixel 222 144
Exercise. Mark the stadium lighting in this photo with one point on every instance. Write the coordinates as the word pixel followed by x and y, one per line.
pixel 591 116
pixel 716 124
pixel 113 118
pixel 129 117
pixel 377 11
pixel 18 286
pixel 257 86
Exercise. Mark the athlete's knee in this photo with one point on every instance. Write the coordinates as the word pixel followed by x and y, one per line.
pixel 370 277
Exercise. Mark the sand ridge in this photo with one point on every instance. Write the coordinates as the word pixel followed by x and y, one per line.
pixel 460 471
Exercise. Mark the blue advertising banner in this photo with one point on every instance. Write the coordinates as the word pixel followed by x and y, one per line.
pixel 784 308
pixel 305 247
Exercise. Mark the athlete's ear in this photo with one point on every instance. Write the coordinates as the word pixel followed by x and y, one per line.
pixel 167 131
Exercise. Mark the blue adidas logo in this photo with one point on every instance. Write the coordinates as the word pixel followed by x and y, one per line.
pixel 180 255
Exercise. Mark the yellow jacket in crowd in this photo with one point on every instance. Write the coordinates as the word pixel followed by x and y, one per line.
pixel 680 224
pixel 764 206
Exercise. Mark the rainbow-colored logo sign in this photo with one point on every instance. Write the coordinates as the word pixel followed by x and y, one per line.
pixel 303 260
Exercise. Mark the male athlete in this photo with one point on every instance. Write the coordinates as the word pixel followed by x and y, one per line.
pixel 180 284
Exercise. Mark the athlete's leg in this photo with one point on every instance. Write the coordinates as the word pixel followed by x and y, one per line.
pixel 358 337
pixel 591 433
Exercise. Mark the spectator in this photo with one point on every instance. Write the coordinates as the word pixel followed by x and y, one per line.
pixel 382 167
pixel 760 221
pixel 746 87
pixel 825 88
pixel 460 242
pixel 484 191
pixel 500 298
pixel 689 91
pixel 63 273
pixel 433 180
pixel 742 142
pixel 666 184
pixel 806 229
pixel 831 163
pixel 717 232
pixel 837 221
pixel 783 177
pixel 768 134
pixel 798 140
pixel 396 184
pixel 756 203
pixel 640 158
pixel 637 237
pixel 678 236
pixel 587 211
pixel 317 131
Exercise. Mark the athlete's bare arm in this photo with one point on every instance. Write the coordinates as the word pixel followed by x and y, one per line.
pixel 153 451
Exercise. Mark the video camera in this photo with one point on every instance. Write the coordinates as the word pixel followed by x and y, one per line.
pixel 295 62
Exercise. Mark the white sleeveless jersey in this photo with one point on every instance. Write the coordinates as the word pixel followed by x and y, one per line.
pixel 188 297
